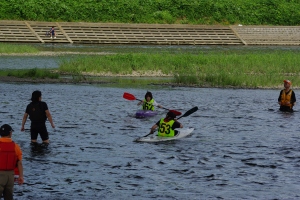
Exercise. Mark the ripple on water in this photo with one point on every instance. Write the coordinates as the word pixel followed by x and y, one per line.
pixel 238 149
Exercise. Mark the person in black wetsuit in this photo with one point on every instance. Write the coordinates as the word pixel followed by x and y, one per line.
pixel 287 97
pixel 38 113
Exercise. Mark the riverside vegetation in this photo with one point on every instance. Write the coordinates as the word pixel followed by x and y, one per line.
pixel 253 69
pixel 247 12
pixel 216 69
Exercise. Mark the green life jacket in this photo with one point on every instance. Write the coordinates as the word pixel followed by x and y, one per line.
pixel 148 105
pixel 165 128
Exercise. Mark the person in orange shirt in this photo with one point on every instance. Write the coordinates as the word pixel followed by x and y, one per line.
pixel 10 157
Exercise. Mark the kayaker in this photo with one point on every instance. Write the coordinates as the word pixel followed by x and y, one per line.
pixel 166 126
pixel 287 97
pixel 149 102
pixel 38 113
pixel 10 158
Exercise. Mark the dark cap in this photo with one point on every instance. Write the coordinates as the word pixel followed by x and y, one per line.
pixel 5 130
pixel 171 115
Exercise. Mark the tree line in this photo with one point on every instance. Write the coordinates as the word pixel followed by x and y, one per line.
pixel 206 12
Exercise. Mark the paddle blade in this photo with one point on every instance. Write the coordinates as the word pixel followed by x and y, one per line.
pixel 177 113
pixel 128 96
pixel 189 112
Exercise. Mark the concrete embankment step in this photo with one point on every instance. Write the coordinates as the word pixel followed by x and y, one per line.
pixel 157 34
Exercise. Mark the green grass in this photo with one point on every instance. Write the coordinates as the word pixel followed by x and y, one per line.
pixel 215 69
pixel 134 82
pixel 116 64
pixel 211 69
pixel 16 48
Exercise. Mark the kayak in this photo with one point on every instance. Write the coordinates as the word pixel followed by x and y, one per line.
pixel 145 113
pixel 182 132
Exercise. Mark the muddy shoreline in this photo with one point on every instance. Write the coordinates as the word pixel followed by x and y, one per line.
pixel 5 79
pixel 55 53
pixel 10 79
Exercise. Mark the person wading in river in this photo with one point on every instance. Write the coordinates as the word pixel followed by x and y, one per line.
pixel 287 97
pixel 38 113
pixel 10 158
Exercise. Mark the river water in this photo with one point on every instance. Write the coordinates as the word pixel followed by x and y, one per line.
pixel 242 146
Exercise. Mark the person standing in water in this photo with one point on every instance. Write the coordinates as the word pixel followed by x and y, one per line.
pixel 38 113
pixel 148 103
pixel 287 97
pixel 10 158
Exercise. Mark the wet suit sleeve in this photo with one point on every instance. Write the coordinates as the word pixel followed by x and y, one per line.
pixel 45 106
pixel 157 123
pixel 293 97
pixel 176 125
pixel 27 109
pixel 279 98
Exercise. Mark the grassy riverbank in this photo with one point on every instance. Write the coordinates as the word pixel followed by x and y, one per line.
pixel 218 69
pixel 240 69
pixel 17 48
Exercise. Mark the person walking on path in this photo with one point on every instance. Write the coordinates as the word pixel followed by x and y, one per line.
pixel 10 158
pixel 52 32
pixel 38 113
pixel 287 97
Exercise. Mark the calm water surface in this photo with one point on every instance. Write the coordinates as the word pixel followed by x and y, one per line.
pixel 242 147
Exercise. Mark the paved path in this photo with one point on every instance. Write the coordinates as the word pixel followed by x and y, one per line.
pixel 156 34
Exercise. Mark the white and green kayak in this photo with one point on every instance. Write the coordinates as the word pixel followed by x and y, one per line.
pixel 182 132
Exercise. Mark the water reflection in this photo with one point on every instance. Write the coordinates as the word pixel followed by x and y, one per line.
pixel 241 145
